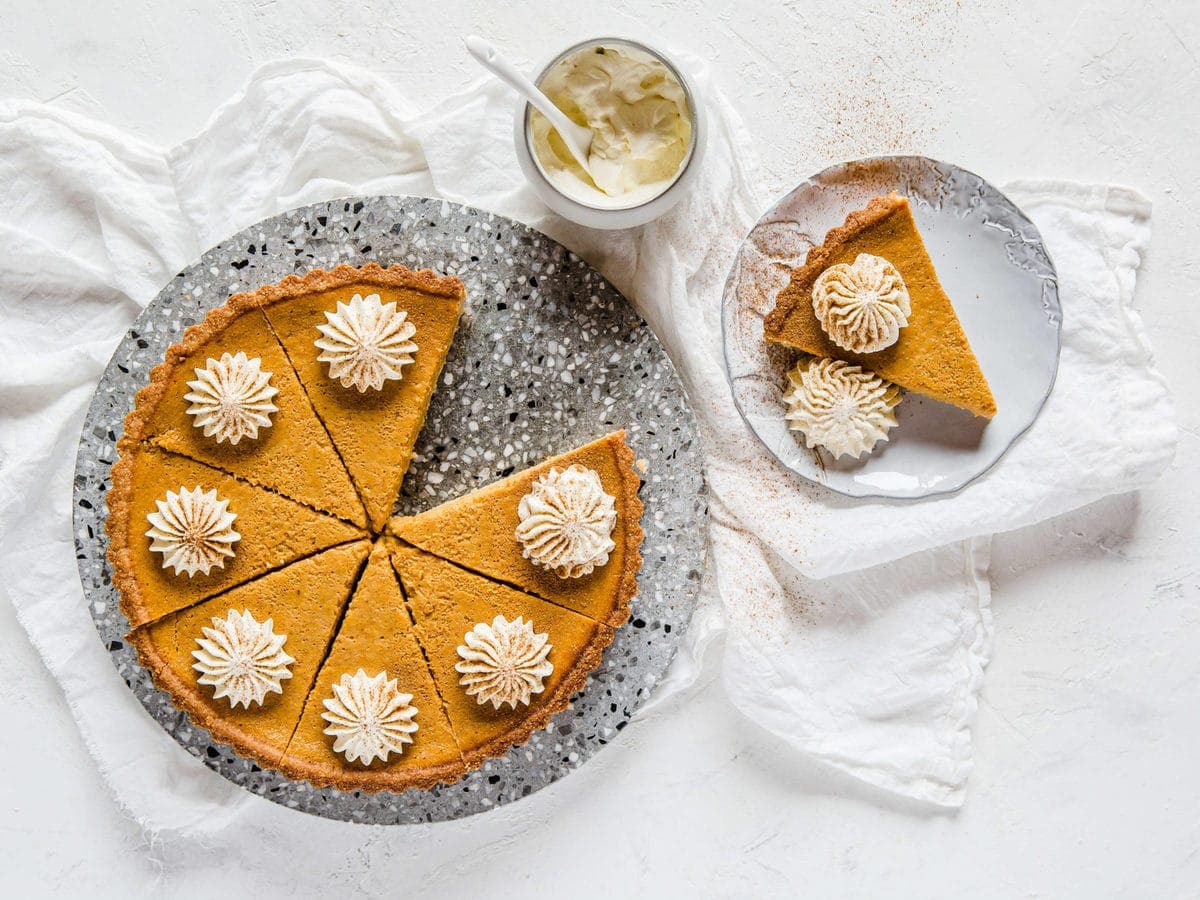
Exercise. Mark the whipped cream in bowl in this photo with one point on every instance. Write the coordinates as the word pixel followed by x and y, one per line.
pixel 648 131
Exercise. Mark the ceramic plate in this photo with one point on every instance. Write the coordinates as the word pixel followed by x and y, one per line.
pixel 548 356
pixel 991 261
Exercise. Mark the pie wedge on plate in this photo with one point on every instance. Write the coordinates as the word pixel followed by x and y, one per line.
pixel 932 355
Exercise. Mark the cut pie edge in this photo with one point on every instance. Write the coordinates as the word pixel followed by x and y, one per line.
pixel 166 679
pixel 586 661
pixel 627 503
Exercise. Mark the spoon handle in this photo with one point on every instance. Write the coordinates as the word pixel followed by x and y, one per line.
pixel 489 57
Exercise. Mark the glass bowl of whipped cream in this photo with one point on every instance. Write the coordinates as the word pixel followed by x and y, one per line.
pixel 648 133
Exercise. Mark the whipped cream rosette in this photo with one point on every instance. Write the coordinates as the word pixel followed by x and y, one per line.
pixel 840 406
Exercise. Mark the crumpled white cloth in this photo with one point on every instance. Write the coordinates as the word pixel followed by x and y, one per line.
pixel 875 671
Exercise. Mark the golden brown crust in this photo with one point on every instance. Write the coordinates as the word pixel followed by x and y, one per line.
pixel 318 280
pixel 631 503
pixel 356 777
pixel 818 259
pixel 133 604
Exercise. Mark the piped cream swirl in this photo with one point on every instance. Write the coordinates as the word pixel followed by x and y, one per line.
pixel 193 530
pixel 840 407
pixel 504 662
pixel 366 342
pixel 231 398
pixel 862 305
pixel 566 522
pixel 369 718
pixel 242 658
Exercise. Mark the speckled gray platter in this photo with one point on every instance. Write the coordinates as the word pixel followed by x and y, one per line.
pixel 993 265
pixel 548 356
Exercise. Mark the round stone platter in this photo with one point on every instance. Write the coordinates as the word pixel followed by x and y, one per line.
pixel 548 356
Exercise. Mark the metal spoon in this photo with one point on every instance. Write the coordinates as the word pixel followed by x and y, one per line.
pixel 577 138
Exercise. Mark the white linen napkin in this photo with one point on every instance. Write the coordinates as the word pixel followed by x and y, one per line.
pixel 875 672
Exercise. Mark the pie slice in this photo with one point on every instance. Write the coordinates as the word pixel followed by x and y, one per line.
pixel 377 635
pixel 273 530
pixel 932 355
pixel 478 532
pixel 292 455
pixel 446 602
pixel 303 602
pixel 374 430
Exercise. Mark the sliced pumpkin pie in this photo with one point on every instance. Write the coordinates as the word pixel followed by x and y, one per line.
pixel 241 664
pixel 523 530
pixel 931 354
pixel 376 639
pixel 368 344
pixel 504 661
pixel 181 531
pixel 226 395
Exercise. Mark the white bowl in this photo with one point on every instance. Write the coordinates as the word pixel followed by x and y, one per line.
pixel 613 217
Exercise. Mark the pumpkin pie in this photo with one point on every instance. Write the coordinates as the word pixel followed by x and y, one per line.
pixel 271 530
pixel 373 426
pixel 291 455
pixel 303 601
pixel 447 602
pixel 477 532
pixel 932 355
pixel 377 635
pixel 266 452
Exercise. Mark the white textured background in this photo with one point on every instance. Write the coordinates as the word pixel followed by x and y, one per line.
pixel 1087 779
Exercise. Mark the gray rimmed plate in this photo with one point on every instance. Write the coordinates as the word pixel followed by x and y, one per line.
pixel 992 263
pixel 548 356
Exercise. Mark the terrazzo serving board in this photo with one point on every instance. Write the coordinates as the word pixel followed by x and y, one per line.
pixel 548 356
